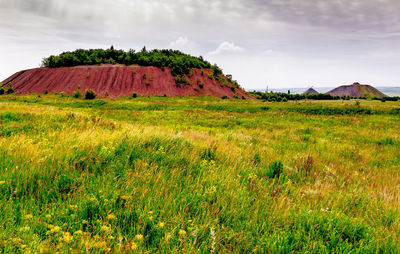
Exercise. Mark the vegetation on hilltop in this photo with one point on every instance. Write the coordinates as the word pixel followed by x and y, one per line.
pixel 182 175
pixel 178 62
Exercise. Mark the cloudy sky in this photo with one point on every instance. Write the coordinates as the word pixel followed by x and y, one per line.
pixel 275 43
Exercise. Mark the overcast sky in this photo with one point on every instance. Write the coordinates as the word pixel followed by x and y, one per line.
pixel 275 43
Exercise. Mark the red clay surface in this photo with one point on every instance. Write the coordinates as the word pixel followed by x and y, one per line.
pixel 116 81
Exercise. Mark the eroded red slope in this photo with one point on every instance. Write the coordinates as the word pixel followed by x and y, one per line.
pixel 118 80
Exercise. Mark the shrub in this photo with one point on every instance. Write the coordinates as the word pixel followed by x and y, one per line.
pixel 90 94
pixel 2 91
pixel 284 99
pixel 77 94
pixel 275 169
pixel 134 95
pixel 46 91
pixel 224 97
pixel 201 85
pixel 62 94
pixel 10 88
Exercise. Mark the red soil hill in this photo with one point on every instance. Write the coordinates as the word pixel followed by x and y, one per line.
pixel 119 80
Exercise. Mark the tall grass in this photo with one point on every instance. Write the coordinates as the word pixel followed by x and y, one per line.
pixel 196 175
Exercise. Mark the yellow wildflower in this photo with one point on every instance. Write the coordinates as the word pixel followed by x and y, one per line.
pixel 139 237
pixel 78 233
pixel 134 246
pixel 73 207
pixel 111 216
pixel 67 237
pixel 105 229
pixel 48 216
pixel 151 218
pixel 181 233
pixel 161 224
pixel 16 240
pixel 2 182
pixel 101 245
pixel 28 216
pixel 53 230
pixel 24 229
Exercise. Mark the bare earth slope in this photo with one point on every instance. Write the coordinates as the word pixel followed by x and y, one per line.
pixel 357 90
pixel 311 91
pixel 119 80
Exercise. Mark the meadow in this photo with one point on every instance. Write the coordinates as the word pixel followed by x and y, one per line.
pixel 198 175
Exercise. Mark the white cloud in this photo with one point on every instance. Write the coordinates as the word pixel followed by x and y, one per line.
pixel 226 46
pixel 179 43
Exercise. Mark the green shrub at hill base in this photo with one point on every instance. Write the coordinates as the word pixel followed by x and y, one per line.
pixel 90 94
pixel 77 94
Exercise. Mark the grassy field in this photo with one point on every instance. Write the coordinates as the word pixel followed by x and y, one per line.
pixel 198 175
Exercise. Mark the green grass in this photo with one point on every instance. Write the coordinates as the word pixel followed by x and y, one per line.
pixel 198 175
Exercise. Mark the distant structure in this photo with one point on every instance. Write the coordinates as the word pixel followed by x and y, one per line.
pixel 310 91
pixel 357 90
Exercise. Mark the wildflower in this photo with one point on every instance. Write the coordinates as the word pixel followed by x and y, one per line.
pixel 16 240
pixel 134 246
pixel 151 218
pixel 105 229
pixel 93 199
pixel 161 224
pixel 53 230
pixel 111 237
pixel 139 237
pixel 73 207
pixel 78 233
pixel 161 149
pixel 2 182
pixel 85 222
pixel 67 237
pixel 24 229
pixel 111 216
pixel 48 216
pixel 212 190
pixel 28 216
pixel 23 246
pixel 181 233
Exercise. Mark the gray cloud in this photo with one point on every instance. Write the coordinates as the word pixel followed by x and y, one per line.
pixel 341 32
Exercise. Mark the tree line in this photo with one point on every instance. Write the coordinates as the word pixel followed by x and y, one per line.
pixel 178 62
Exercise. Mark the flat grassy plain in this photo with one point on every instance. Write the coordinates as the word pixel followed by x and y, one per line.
pixel 198 175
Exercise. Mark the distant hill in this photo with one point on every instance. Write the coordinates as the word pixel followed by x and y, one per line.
pixel 357 90
pixel 311 91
